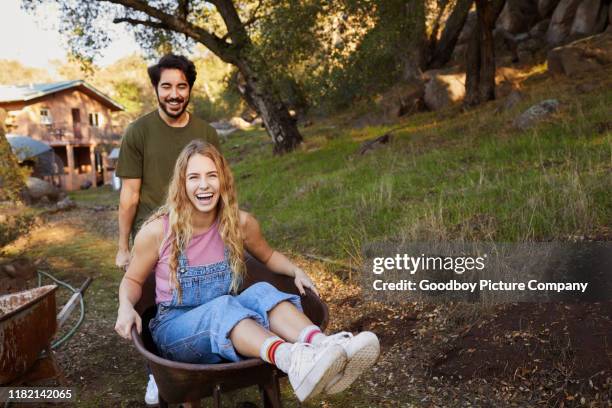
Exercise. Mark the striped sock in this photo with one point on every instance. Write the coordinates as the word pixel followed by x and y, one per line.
pixel 268 349
pixel 311 334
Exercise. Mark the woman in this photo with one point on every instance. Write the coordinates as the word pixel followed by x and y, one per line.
pixel 195 245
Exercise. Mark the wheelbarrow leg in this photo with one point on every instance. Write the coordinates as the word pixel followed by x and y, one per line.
pixel 217 396
pixel 270 392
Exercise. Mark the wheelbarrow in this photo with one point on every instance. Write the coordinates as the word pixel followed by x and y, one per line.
pixel 28 322
pixel 182 382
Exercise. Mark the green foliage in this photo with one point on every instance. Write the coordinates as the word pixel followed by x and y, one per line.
pixel 215 95
pixel 15 226
pixel 12 177
pixel 14 73
pixel 325 55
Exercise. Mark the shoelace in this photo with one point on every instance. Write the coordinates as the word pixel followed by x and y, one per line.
pixel 341 337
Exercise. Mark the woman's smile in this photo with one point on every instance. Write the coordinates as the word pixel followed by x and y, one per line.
pixel 202 183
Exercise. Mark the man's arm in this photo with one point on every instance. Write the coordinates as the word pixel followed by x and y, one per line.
pixel 128 203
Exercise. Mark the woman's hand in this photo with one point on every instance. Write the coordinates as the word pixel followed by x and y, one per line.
pixel 303 281
pixel 126 318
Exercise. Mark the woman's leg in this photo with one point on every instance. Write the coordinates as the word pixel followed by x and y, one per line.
pixel 248 336
pixel 287 321
pixel 282 312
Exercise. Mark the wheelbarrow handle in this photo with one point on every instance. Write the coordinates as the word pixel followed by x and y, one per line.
pixel 71 304
pixel 85 285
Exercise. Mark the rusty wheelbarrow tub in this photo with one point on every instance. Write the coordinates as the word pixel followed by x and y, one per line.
pixel 28 322
pixel 27 325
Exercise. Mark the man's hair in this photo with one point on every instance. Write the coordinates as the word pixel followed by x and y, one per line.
pixel 172 61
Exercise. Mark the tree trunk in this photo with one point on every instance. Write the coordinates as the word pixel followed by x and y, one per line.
pixel 11 180
pixel 281 127
pixel 443 49
pixel 413 57
pixel 480 59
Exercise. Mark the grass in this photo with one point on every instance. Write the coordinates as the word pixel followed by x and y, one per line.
pixel 465 177
pixel 96 196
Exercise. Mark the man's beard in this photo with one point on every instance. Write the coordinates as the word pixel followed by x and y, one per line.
pixel 163 105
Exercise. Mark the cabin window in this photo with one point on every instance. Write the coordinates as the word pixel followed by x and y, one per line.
pixel 11 120
pixel 94 119
pixel 45 117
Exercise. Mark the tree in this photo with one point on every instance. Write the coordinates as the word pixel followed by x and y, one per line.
pixel 443 49
pixel 217 24
pixel 12 178
pixel 480 59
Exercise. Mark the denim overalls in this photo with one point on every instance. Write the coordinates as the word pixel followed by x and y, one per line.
pixel 197 329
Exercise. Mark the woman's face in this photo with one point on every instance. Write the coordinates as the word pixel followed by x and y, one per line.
pixel 202 183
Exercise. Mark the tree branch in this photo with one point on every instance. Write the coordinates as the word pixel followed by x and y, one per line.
pixel 148 23
pixel 235 29
pixel 179 25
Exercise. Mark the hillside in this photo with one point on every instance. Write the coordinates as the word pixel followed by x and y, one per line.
pixel 447 175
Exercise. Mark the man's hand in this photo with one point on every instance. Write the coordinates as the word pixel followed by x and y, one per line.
pixel 122 260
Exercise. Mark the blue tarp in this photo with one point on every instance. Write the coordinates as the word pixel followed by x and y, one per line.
pixel 25 147
pixel 47 163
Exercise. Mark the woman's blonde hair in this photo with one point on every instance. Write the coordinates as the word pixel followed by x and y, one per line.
pixel 179 210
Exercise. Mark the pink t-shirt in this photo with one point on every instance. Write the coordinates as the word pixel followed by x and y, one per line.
pixel 204 249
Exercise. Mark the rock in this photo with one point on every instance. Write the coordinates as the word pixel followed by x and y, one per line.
pixel 587 54
pixel 513 99
pixel 518 16
pixel 249 115
pixel 443 89
pixel 531 45
pixel 503 89
pixel 370 145
pixel 20 268
pixel 546 7
pixel 538 30
pixel 561 21
pixel 37 189
pixel 65 204
pixel 222 124
pixel 402 99
pixel 591 17
pixel 239 123
pixel 536 113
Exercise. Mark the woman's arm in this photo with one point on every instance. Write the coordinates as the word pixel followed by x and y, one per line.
pixel 257 246
pixel 146 247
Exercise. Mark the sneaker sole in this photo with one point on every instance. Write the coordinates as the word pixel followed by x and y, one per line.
pixel 320 375
pixel 360 362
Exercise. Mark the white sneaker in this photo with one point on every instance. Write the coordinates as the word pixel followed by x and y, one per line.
pixel 312 368
pixel 151 397
pixel 362 351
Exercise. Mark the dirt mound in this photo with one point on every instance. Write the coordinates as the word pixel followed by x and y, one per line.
pixel 524 341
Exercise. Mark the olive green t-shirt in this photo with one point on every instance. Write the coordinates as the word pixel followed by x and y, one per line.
pixel 149 150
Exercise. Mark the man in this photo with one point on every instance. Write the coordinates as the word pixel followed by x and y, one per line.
pixel 149 149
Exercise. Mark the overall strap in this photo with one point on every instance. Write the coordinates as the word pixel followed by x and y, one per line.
pixel 183 261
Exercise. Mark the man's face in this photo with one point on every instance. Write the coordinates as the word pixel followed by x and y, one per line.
pixel 173 92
